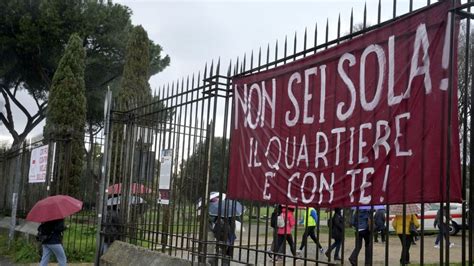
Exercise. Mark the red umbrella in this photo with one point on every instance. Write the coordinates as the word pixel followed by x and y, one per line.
pixel 136 189
pixel 54 208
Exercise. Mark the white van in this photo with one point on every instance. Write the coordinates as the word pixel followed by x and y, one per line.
pixel 429 216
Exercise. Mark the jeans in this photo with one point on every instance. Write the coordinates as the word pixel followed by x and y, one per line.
pixel 58 251
pixel 362 235
pixel 336 245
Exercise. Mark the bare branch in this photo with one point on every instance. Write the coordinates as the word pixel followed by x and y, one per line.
pixel 17 103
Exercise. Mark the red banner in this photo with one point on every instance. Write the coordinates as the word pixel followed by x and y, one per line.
pixel 362 123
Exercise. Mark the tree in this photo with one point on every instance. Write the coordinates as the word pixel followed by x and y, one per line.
pixel 66 114
pixel 33 35
pixel 194 169
pixel 134 84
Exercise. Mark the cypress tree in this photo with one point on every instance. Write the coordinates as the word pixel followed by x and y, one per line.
pixel 135 86
pixel 66 117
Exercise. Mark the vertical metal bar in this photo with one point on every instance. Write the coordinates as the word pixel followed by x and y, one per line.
pixel 294 47
pixel 364 25
pixel 450 112
pixel 470 212
pixel 103 173
pixel 327 34
pixel 464 138
pixel 394 15
pixel 304 41
pixel 379 12
pixel 315 43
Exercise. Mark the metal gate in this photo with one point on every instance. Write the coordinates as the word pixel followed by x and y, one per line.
pixel 165 156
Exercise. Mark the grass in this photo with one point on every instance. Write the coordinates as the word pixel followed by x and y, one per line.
pixel 21 250
pixel 78 242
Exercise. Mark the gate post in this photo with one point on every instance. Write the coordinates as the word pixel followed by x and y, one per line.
pixel 104 172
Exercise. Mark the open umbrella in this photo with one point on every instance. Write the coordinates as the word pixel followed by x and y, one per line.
pixel 54 208
pixel 227 207
pixel 410 209
pixel 213 197
pixel 136 189
pixel 118 199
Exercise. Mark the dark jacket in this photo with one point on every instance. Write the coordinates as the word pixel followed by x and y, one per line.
pixel 54 231
pixel 379 220
pixel 112 227
pixel 337 226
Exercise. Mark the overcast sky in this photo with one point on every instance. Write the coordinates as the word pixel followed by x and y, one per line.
pixel 195 32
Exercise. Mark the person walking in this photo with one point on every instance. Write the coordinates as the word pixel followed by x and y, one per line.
pixel 337 229
pixel 379 222
pixel 112 227
pixel 310 219
pixel 273 223
pixel 361 221
pixel 51 234
pixel 442 222
pixel 284 232
pixel 402 228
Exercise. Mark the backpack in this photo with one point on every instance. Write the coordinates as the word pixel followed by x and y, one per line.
pixel 280 221
pixel 273 219
pixel 222 230
pixel 42 235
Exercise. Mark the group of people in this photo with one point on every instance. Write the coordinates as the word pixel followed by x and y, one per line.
pixel 362 220
pixel 283 222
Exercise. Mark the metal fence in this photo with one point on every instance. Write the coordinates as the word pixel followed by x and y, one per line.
pixel 191 120
pixel 187 124
pixel 18 194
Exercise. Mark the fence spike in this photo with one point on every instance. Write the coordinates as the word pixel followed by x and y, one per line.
pixel 365 15
pixel 236 70
pixel 276 52
pixel 251 60
pixel 229 69
pixel 315 36
pixel 259 56
pixel 339 26
pixel 394 9
pixel 351 29
pixel 379 12
pixel 327 32
pixel 305 39
pixel 294 45
pixel 268 54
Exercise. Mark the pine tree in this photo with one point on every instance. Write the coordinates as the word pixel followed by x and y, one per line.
pixel 66 117
pixel 135 77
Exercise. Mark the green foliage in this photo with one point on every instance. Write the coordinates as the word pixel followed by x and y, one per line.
pixel 21 250
pixel 66 113
pixel 193 176
pixel 135 73
pixel 78 241
pixel 33 36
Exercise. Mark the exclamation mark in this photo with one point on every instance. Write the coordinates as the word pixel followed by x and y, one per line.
pixel 384 186
pixel 445 60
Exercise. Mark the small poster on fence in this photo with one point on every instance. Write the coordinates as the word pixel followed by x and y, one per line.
pixel 38 165
pixel 165 175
